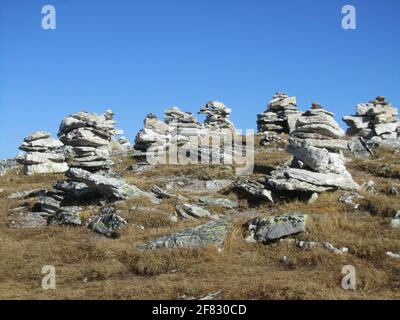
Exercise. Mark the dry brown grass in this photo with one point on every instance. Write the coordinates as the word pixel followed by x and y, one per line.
pixel 385 163
pixel 90 268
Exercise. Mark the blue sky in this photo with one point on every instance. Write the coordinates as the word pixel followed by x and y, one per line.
pixel 144 56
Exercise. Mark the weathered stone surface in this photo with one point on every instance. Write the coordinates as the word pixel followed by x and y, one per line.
pixel 188 211
pixel 66 216
pixel 219 202
pixel 395 222
pixel 217 116
pixel 276 227
pixel 38 135
pixel 213 233
pixel 7 165
pixel 26 194
pixel 378 118
pixel 49 204
pixel 318 164
pixel 43 154
pixel 254 189
pixel 109 187
pixel 281 115
pixel 107 223
pixel 90 140
pixel 76 190
pixel 318 159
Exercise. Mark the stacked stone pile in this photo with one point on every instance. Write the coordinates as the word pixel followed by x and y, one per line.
pixel 87 137
pixel 43 154
pixel 318 164
pixel 155 131
pixel 281 115
pixel 377 118
pixel 183 125
pixel 217 117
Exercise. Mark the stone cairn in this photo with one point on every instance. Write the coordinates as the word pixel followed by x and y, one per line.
pixel 280 117
pixel 183 125
pixel 179 127
pixel 318 164
pixel 43 154
pixel 217 119
pixel 87 137
pixel 176 128
pixel 377 118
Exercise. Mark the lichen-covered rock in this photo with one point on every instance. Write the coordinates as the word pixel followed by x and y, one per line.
pixel 213 233
pixel 66 216
pixel 7 165
pixel 188 211
pixel 276 227
pixel 107 222
pixel 219 202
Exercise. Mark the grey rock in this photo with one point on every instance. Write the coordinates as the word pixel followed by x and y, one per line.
pixel 212 233
pixel 313 198
pixel 255 190
pixel 66 216
pixel 349 198
pixel 7 165
pixel 107 222
pixel 49 204
pixel 276 227
pixel 109 187
pixel 395 222
pixel 187 211
pixel 219 202
pixel 26 194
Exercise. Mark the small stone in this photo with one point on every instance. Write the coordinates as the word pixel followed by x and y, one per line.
pixel 313 198
pixel 107 222
pixel 395 222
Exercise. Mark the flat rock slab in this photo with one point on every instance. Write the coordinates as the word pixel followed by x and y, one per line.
pixel 276 227
pixel 213 233
pixel 108 186
pixel 219 202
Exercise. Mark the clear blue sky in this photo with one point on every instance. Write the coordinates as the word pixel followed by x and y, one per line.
pixel 144 56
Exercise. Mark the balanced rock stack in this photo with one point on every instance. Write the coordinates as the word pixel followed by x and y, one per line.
pixel 281 115
pixel 217 117
pixel 43 154
pixel 177 127
pixel 155 131
pixel 318 164
pixel 87 137
pixel 182 125
pixel 378 118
